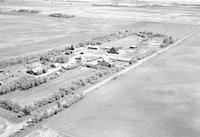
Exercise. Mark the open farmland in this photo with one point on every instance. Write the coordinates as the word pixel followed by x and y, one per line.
pixel 47 32
pixel 44 35
pixel 135 65
pixel 158 98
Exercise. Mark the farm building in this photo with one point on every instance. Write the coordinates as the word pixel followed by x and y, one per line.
pixel 106 48
pixel 93 47
pixel 71 48
pixel 113 51
pixel 133 47
pixel 37 70
pixel 127 60
pixel 105 63
pixel 69 52
pixel 55 65
pixel 78 59
pixel 1 71
pixel 65 66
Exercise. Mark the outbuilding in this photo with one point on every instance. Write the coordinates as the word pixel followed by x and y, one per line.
pixel 93 47
pixel 37 71
pixel 1 83
pixel 113 51
pixel 105 63
pixel 55 65
pixel 69 52
pixel 133 47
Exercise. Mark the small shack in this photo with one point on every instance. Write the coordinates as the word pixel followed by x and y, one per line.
pixel 113 51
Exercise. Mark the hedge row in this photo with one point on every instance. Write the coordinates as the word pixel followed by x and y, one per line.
pixel 32 11
pixel 167 41
pixel 97 67
pixel 51 111
pixel 58 59
pixel 145 34
pixel 61 105
pixel 59 15
pixel 22 83
pixel 32 57
pixel 9 105
pixel 47 55
pixel 71 89
pixel 111 37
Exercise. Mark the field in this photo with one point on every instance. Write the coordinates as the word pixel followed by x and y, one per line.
pixel 47 32
pixel 112 56
pixel 159 98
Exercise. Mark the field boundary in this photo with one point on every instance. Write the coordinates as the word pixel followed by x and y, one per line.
pixel 139 62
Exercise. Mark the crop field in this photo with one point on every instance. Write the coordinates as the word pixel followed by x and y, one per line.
pixel 95 69
pixel 47 32
pixel 44 35
pixel 159 98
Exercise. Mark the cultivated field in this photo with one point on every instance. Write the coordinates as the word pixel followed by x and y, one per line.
pixel 158 98
pixel 47 32
pixel 53 53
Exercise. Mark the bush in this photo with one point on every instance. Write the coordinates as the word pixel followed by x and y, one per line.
pixel 62 59
pixel 22 83
pixel 9 105
pixel 59 15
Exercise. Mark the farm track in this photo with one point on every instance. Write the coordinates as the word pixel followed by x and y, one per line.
pixel 15 127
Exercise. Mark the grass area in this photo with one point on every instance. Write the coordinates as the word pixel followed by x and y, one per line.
pixel 10 116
